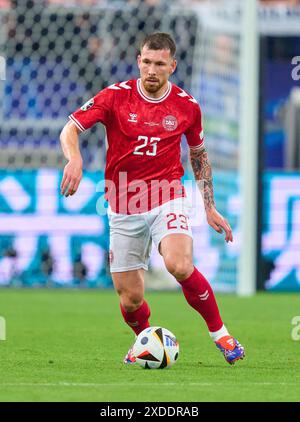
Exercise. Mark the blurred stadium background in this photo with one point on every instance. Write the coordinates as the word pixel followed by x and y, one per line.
pixel 56 54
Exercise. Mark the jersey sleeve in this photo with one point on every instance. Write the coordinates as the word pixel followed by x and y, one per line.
pixel 97 109
pixel 194 133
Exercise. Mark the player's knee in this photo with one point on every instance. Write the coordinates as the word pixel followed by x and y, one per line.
pixel 131 301
pixel 180 267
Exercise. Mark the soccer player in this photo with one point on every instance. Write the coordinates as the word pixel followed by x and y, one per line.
pixel 145 120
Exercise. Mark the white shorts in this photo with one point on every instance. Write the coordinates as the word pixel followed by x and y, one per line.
pixel 131 235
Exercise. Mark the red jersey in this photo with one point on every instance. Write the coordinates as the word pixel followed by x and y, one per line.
pixel 143 163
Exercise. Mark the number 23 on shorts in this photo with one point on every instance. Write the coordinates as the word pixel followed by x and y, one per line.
pixel 175 220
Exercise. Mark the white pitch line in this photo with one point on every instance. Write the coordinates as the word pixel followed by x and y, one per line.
pixel 174 384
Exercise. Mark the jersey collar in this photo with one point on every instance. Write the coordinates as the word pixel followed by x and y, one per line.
pixel 150 99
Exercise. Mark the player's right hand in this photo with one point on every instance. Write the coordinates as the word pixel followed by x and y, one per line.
pixel 71 177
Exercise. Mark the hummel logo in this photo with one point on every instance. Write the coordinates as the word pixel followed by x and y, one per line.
pixel 204 296
pixel 133 118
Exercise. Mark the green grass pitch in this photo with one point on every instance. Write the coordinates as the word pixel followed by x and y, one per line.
pixel 68 345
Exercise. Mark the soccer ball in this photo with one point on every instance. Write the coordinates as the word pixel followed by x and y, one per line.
pixel 156 348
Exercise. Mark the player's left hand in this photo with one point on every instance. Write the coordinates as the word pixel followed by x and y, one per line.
pixel 219 223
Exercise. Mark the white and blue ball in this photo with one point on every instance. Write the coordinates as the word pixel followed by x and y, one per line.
pixel 156 348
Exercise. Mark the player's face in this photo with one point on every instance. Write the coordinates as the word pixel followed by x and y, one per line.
pixel 155 66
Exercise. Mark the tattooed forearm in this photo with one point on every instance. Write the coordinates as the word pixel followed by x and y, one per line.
pixel 203 175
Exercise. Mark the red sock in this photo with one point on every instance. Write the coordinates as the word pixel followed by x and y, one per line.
pixel 137 320
pixel 200 296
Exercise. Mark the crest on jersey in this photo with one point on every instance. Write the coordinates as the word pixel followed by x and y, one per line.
pixel 89 104
pixel 170 123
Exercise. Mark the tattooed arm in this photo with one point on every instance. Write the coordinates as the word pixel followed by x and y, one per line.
pixel 203 176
